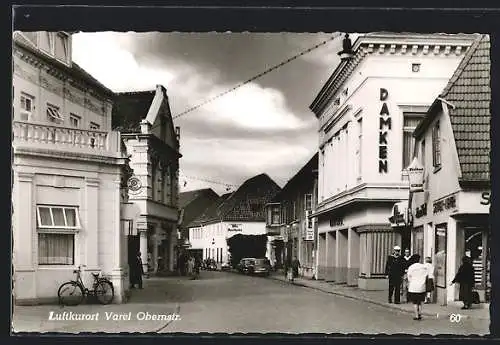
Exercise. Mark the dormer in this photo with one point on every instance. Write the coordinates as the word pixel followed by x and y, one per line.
pixel 56 45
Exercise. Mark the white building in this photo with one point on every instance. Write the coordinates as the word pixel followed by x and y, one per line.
pixel 451 213
pixel 241 212
pixel 67 169
pixel 367 111
pixel 152 143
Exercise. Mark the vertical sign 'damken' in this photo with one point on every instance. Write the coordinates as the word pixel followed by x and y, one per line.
pixel 384 127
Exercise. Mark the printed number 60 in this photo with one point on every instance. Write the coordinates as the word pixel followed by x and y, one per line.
pixel 455 318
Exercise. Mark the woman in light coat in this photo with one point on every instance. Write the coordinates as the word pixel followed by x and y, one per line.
pixel 417 276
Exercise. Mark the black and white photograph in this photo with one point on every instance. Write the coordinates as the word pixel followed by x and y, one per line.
pixel 251 182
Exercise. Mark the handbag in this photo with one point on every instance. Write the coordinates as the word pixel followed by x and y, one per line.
pixel 475 297
pixel 429 284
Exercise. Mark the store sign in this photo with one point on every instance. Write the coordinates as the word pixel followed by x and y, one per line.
pixel 384 127
pixel 448 203
pixel 399 214
pixel 336 222
pixel 485 198
pixel 235 227
pixel 421 211
pixel 310 234
pixel 416 176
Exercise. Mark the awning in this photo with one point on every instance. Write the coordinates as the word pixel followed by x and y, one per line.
pixel 54 114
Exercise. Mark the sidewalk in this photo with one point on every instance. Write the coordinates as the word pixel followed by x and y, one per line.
pixel 480 312
pixel 130 317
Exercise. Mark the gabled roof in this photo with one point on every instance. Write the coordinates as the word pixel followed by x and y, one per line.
pixel 247 203
pixel 211 213
pixel 469 95
pixel 194 203
pixel 129 109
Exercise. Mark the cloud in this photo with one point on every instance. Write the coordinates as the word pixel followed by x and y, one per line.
pixel 103 56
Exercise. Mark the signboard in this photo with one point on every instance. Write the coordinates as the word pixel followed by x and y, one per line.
pixel 448 203
pixel 235 227
pixel 440 255
pixel 310 234
pixel 399 215
pixel 416 176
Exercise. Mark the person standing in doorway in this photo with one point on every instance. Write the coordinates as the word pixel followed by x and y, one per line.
pixel 465 277
pixel 136 272
pixel 417 278
pixel 394 270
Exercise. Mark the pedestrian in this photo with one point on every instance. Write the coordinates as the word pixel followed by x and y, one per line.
pixel 136 272
pixel 190 266
pixel 407 261
pixel 430 281
pixel 295 268
pixel 394 270
pixel 417 278
pixel 465 277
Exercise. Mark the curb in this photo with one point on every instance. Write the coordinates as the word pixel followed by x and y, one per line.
pixel 382 304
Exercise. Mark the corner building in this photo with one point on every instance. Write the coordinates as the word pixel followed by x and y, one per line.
pixel 367 111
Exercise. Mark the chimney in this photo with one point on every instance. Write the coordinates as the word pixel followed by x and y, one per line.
pixel 145 127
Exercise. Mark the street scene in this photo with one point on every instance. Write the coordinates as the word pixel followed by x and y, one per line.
pixel 224 302
pixel 251 182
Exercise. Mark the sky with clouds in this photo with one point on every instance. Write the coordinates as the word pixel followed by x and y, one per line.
pixel 263 127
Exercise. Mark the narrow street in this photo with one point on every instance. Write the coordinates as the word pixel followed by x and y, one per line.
pixel 223 302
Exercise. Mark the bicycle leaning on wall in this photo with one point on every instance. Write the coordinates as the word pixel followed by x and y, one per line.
pixel 73 292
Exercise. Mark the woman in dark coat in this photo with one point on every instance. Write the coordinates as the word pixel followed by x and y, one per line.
pixel 136 271
pixel 465 277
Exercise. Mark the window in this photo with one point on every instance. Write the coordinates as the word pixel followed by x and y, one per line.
pixel 61 46
pixel 410 122
pixel 27 106
pixel 74 120
pixel 94 126
pixel 55 44
pixel 359 149
pixel 56 234
pixel 46 41
pixel 276 215
pixel 53 113
pixel 308 202
pixel 436 146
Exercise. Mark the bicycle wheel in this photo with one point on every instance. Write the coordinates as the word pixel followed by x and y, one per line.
pixel 104 292
pixel 70 293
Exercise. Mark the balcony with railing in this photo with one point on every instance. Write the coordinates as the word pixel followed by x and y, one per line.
pixel 29 135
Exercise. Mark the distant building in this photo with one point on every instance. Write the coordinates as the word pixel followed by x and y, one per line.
pixel 451 213
pixel 240 212
pixel 152 143
pixel 367 111
pixel 289 219
pixel 192 204
pixel 68 168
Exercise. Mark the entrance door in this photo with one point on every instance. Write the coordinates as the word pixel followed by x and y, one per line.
pixel 133 249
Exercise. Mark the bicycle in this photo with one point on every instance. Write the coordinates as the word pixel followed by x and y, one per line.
pixel 72 293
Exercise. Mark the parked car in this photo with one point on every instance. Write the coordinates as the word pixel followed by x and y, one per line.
pixel 260 266
pixel 225 266
pixel 244 265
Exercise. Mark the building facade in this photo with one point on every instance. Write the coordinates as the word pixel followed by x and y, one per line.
pixel 67 172
pixel 367 111
pixel 152 143
pixel 240 212
pixel 289 219
pixel 451 212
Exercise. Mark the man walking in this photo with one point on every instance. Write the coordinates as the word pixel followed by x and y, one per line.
pixel 136 272
pixel 394 269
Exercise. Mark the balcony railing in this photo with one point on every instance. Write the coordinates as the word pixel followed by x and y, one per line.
pixel 64 137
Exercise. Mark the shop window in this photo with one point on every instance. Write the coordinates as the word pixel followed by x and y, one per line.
pixel 56 227
pixel 27 106
pixel 475 242
pixel 411 121
pixel 440 254
pixel 418 241
pixel 436 146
